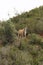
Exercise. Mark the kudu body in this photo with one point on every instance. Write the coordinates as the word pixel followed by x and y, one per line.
pixel 22 32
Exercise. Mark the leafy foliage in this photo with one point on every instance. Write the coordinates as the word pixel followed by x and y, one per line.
pixel 22 51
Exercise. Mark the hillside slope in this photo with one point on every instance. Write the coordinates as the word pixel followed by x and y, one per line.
pixel 26 50
pixel 32 19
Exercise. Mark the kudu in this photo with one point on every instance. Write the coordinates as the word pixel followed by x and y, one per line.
pixel 22 32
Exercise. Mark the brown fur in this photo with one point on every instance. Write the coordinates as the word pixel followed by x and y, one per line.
pixel 21 33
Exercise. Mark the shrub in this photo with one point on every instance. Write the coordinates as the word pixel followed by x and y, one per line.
pixel 35 39
pixel 7 32
pixel 23 44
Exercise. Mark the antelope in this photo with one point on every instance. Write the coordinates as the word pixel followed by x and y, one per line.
pixel 22 32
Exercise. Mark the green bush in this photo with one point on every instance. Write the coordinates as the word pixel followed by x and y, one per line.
pixel 35 39
pixel 7 32
pixel 14 56
pixel 23 44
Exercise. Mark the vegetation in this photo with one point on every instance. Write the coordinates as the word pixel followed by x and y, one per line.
pixel 26 50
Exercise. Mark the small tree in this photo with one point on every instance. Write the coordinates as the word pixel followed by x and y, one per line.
pixel 9 31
